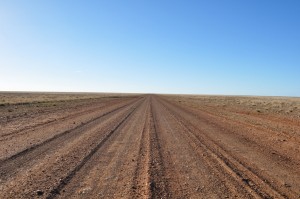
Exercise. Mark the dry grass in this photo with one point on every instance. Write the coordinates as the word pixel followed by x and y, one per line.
pixel 7 98
pixel 259 105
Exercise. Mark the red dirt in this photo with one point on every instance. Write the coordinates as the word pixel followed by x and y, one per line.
pixel 151 146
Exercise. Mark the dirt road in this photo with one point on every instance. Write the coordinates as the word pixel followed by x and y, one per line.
pixel 148 146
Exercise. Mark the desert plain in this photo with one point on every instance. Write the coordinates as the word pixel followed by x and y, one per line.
pixel 89 145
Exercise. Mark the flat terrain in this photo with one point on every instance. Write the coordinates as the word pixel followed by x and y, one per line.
pixel 148 146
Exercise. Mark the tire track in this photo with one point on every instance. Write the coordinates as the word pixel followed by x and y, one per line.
pixel 56 121
pixel 10 165
pixel 146 147
pixel 244 124
pixel 218 120
pixel 234 166
pixel 47 112
pixel 141 179
pixel 54 192
pixel 113 154
pixel 55 171
pixel 277 168
pixel 194 174
pixel 261 141
pixel 159 187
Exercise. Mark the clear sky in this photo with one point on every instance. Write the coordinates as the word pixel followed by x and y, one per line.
pixel 236 47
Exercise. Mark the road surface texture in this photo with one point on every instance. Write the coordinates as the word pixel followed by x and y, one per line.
pixel 151 146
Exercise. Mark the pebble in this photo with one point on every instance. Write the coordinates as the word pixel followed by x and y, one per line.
pixel 246 180
pixel 152 185
pixel 133 187
pixel 39 192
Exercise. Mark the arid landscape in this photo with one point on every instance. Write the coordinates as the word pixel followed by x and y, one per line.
pixel 150 99
pixel 148 146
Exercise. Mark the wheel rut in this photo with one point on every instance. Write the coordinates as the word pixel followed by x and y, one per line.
pixel 159 187
pixel 111 169
pixel 85 142
pixel 56 121
pixel 147 147
pixel 64 181
pixel 234 166
pixel 141 179
pixel 11 165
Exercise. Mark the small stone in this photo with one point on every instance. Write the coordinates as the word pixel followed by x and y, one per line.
pixel 245 180
pixel 152 185
pixel 39 192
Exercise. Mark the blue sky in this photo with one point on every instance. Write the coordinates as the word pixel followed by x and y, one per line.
pixel 199 47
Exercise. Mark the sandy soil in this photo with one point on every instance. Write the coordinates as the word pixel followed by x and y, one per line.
pixel 151 146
